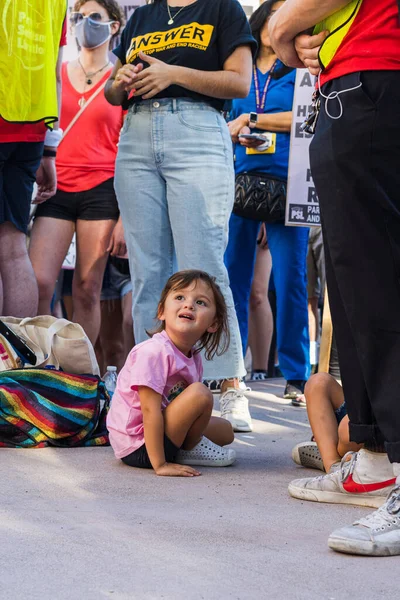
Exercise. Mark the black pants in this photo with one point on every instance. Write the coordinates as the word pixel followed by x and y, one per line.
pixel 355 162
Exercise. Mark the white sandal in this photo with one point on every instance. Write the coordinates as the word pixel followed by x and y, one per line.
pixel 207 454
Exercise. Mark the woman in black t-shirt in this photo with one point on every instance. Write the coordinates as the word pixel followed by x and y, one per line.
pixel 178 62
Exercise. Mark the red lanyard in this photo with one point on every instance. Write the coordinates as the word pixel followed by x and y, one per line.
pixel 260 104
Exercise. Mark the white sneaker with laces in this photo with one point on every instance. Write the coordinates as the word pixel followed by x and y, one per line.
pixel 363 479
pixel 377 534
pixel 207 454
pixel 307 455
pixel 234 407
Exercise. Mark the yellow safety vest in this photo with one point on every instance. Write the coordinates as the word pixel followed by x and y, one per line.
pixel 338 24
pixel 29 45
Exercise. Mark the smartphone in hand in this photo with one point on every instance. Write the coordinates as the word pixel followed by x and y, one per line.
pixel 258 137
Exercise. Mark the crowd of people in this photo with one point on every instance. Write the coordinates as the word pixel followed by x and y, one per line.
pixel 139 171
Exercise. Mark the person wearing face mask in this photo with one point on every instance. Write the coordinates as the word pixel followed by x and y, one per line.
pixel 85 202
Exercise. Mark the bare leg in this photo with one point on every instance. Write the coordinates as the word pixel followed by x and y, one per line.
pixel 127 323
pixel 116 339
pixel 313 319
pixel 261 325
pixel 324 395
pixel 20 290
pixel 50 240
pixel 229 383
pixel 69 307
pixel 188 415
pixel 219 431
pixel 111 338
pixel 344 444
pixel 92 240
pixel 99 355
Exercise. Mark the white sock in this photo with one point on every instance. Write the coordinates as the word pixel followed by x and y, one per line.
pixel 373 467
pixel 313 353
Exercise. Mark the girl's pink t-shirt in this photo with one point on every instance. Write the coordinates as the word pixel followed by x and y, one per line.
pixel 159 365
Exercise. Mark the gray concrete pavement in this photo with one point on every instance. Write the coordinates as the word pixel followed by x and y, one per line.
pixel 78 524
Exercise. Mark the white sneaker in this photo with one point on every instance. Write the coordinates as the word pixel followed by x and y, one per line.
pixel 207 454
pixel 363 479
pixel 307 455
pixel 377 534
pixel 234 407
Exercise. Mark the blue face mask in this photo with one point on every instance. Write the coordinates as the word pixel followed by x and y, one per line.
pixel 92 34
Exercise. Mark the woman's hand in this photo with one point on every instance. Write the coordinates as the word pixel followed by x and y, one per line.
pixel 46 179
pixel 117 246
pixel 307 48
pixel 244 142
pixel 249 143
pixel 241 125
pixel 153 80
pixel 174 470
pixel 125 77
pixel 237 126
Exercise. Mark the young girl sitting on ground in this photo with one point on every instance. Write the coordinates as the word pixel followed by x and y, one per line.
pixel 160 415
pixel 329 422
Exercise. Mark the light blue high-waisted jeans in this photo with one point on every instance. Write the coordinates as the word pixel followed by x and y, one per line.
pixel 175 187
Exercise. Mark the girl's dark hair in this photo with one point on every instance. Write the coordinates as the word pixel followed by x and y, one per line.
pixel 213 343
pixel 257 22
pixel 114 10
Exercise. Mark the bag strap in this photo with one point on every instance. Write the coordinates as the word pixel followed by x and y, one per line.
pixel 52 326
pixel 82 109
pixel 51 331
pixel 60 324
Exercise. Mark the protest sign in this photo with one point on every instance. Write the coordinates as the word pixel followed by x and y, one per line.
pixel 302 206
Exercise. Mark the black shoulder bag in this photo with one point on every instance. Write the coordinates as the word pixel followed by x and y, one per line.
pixel 260 197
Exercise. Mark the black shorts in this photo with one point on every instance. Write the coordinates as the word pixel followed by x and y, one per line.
pixel 115 284
pixel 140 458
pixel 98 204
pixel 19 162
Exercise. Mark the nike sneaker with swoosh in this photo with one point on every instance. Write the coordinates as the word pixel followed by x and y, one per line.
pixel 363 479
pixel 377 534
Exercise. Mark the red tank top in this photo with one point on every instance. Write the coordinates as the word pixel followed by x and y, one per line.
pixel 86 156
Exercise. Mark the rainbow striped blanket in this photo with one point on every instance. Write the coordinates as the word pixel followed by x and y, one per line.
pixel 42 407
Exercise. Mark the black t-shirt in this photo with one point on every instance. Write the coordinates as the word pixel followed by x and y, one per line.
pixel 203 35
